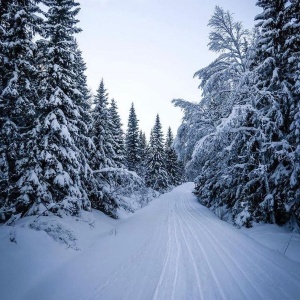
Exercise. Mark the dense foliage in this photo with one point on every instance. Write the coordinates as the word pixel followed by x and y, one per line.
pixel 242 139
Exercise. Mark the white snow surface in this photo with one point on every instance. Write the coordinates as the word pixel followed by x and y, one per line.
pixel 172 249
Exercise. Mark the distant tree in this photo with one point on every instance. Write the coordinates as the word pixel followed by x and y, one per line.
pixel 132 141
pixel 172 164
pixel 143 148
pixel 105 155
pixel 143 144
pixel 117 134
pixel 156 174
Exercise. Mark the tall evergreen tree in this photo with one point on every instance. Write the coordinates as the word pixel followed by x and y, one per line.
pixel 85 143
pixel 4 7
pixel 117 134
pixel 58 166
pixel 81 80
pixel 156 174
pixel 19 22
pixel 273 102
pixel 172 165
pixel 132 141
pixel 292 58
pixel 105 155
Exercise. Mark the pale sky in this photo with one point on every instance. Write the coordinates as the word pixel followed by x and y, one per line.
pixel 147 51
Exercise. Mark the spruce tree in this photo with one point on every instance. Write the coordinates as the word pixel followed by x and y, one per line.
pixel 132 141
pixel 84 141
pixel 4 6
pixel 55 179
pixel 292 58
pixel 105 155
pixel 19 23
pixel 81 81
pixel 273 102
pixel 117 134
pixel 143 148
pixel 156 174
pixel 172 165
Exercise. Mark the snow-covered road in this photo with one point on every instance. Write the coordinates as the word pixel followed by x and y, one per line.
pixel 173 249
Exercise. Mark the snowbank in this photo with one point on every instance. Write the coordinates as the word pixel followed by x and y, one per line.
pixel 277 238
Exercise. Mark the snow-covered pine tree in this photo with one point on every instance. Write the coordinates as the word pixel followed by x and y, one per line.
pixel 54 180
pixel 142 166
pixel 223 156
pixel 292 57
pixel 4 160
pixel 105 155
pixel 250 174
pixel 172 165
pixel 236 175
pixel 19 22
pixel 273 100
pixel 117 134
pixel 132 141
pixel 3 26
pixel 85 96
pixel 83 101
pixel 156 174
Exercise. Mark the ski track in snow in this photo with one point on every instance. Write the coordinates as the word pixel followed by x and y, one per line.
pixel 174 249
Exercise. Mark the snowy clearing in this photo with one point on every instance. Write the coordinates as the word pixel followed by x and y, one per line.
pixel 172 249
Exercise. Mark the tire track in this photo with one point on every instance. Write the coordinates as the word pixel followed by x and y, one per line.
pixel 177 259
pixel 269 281
pixel 216 282
pixel 166 260
pixel 245 249
pixel 250 247
pixel 206 261
pixel 231 267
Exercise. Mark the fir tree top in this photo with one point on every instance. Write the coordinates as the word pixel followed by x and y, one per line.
pixel 169 138
pixel 132 140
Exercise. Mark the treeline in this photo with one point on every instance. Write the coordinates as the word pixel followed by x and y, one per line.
pixel 240 144
pixel 61 149
pixel 155 162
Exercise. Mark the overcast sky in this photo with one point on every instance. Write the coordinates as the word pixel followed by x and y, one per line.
pixel 148 50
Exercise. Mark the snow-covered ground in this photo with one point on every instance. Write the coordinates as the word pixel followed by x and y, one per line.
pixel 172 249
pixel 276 238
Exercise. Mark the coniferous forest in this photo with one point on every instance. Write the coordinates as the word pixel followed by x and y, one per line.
pixel 63 150
pixel 96 207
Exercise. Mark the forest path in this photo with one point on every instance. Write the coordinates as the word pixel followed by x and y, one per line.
pixel 174 249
